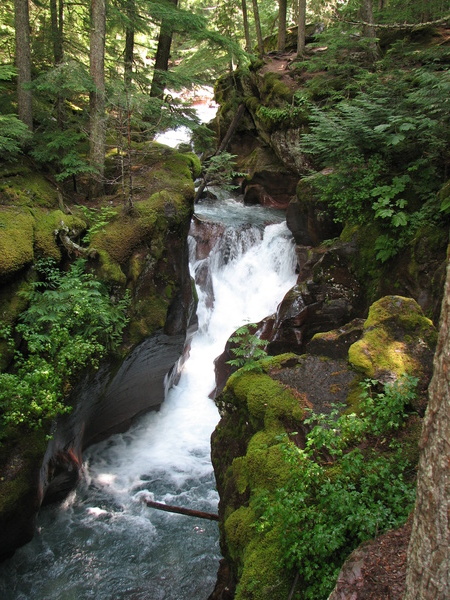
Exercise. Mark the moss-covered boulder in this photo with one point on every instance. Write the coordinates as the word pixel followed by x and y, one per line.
pixel 397 339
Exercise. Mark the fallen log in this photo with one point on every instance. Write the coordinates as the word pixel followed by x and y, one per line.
pixel 180 510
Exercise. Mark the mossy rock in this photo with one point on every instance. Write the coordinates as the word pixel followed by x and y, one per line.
pixel 239 530
pixel 22 186
pixel 397 339
pixel 16 240
pixel 262 578
pixel 45 226
pixel 266 400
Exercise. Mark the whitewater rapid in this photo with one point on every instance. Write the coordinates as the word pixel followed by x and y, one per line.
pixel 103 542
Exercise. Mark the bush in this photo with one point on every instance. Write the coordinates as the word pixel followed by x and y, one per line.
pixel 70 323
pixel 340 495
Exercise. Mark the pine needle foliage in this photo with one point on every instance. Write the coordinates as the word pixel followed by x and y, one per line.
pixel 386 153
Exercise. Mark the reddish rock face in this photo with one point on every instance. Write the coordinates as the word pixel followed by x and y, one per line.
pixel 256 193
pixel 206 234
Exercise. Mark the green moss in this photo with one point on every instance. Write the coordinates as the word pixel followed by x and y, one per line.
pixel 20 458
pixel 16 240
pixel 239 531
pixel 288 359
pixel 394 327
pixel 266 468
pixel 274 89
pixel 262 578
pixel 148 315
pixel 252 103
pixel 194 164
pixel 109 270
pixel 24 187
pixel 174 175
pixel 265 398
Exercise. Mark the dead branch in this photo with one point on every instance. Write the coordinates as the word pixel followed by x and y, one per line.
pixel 180 510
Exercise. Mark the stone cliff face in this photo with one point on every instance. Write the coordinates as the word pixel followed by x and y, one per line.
pixel 347 319
pixel 258 408
pixel 143 250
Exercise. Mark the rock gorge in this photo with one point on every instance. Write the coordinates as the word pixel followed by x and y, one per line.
pixel 348 319
pixel 143 250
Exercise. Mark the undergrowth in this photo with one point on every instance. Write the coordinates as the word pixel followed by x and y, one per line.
pixel 70 323
pixel 351 482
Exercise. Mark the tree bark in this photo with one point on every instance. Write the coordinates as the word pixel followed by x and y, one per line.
pixel 162 58
pixel 56 18
pixel 23 61
pixel 281 45
pixel 366 13
pixel 97 97
pixel 248 43
pixel 258 28
pixel 189 512
pixel 428 568
pixel 301 34
pixel 129 41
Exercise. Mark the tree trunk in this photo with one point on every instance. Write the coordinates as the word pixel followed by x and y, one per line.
pixel 428 569
pixel 301 34
pixel 97 97
pixel 56 17
pixel 258 28
pixel 248 43
pixel 129 41
pixel 23 61
pixel 366 15
pixel 281 45
pixel 162 58
pixel 189 512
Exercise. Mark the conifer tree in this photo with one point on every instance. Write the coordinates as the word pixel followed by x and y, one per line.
pixel 281 44
pixel 259 36
pixel 162 56
pixel 301 34
pixel 246 26
pixel 97 96
pixel 23 61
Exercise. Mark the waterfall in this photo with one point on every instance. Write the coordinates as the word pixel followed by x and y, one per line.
pixel 103 542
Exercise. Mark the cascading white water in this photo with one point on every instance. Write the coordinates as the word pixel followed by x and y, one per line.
pixel 103 542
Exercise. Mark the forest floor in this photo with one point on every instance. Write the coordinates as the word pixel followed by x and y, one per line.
pixel 377 569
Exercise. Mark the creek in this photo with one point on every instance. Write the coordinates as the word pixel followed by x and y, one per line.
pixel 102 542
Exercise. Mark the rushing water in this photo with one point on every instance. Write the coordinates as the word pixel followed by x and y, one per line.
pixel 103 542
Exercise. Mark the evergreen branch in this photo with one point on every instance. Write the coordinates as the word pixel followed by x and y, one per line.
pixel 412 26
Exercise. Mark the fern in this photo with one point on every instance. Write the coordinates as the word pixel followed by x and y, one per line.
pixel 70 324
pixel 249 348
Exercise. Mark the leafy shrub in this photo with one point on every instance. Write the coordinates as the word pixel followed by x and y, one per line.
pixel 70 323
pixel 339 495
